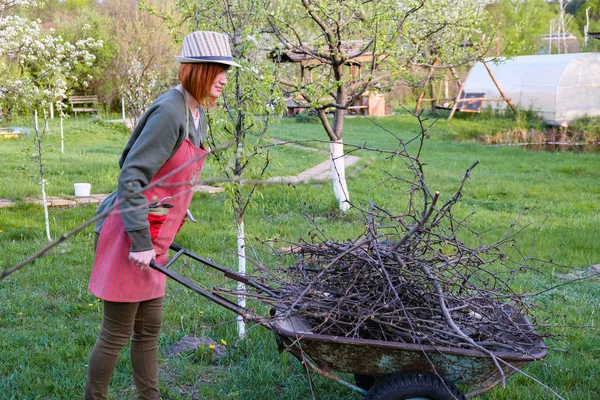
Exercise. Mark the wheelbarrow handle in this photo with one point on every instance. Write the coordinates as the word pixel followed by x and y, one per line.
pixel 226 271
pixel 210 296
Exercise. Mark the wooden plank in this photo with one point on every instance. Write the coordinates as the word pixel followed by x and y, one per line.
pixel 208 189
pixel 498 86
pixel 461 88
pixel 52 201
pixel 92 199
pixel 84 109
pixel 83 99
pixel 55 201
pixel 439 99
pixel 6 203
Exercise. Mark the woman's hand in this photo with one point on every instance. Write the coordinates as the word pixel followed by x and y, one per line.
pixel 142 258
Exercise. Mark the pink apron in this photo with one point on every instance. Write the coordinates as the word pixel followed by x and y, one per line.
pixel 114 277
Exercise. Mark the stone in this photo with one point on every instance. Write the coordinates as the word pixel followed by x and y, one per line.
pixel 191 344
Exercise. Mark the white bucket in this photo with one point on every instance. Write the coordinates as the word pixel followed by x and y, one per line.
pixel 82 189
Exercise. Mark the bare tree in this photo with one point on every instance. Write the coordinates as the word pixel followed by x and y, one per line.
pixel 144 61
pixel 351 48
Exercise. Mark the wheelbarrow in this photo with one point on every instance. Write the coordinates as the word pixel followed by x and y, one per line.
pixel 382 370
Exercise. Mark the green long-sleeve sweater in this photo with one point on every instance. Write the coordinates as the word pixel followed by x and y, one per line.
pixel 155 139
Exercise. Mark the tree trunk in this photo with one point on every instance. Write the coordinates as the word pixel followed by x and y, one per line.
pixel 62 136
pixel 241 248
pixel 46 216
pixel 338 174
pixel 40 160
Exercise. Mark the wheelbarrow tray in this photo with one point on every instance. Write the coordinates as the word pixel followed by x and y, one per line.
pixel 378 358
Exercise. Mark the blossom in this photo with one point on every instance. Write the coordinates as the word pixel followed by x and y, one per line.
pixel 223 342
pixel 252 39
pixel 46 61
pixel 211 346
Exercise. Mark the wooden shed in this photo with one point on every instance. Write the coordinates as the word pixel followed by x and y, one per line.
pixel 308 58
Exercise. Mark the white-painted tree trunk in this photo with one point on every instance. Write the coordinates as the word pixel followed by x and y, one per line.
pixel 561 4
pixel 46 129
pixel 241 244
pixel 42 180
pixel 338 174
pixel 46 217
pixel 62 136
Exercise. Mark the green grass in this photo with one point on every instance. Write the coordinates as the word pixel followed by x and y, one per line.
pixel 49 322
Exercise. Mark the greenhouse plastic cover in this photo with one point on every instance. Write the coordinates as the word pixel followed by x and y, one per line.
pixel 560 87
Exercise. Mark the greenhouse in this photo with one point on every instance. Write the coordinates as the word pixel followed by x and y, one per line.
pixel 560 87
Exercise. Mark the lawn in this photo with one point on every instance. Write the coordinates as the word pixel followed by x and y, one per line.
pixel 49 322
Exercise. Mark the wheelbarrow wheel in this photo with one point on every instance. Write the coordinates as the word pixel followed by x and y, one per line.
pixel 365 381
pixel 421 386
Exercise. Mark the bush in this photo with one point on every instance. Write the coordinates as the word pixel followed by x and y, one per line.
pixel 307 116
pixel 585 129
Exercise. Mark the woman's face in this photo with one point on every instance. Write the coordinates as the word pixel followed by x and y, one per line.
pixel 220 81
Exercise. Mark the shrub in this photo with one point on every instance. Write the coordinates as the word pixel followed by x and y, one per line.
pixel 307 116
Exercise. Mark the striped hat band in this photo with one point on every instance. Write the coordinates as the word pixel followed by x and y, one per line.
pixel 206 47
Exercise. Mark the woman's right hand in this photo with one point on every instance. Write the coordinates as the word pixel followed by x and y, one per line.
pixel 142 258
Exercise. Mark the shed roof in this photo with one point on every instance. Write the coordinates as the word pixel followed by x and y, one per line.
pixel 553 36
pixel 354 50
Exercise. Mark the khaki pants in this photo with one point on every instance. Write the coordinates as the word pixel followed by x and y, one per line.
pixel 139 322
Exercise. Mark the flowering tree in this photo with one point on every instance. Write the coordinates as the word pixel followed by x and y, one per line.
pixel 36 65
pixel 138 88
pixel 35 70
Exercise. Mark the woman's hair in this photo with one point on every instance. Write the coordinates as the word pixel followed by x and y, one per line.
pixel 198 78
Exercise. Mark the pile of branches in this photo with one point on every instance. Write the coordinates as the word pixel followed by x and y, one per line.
pixel 366 289
pixel 410 280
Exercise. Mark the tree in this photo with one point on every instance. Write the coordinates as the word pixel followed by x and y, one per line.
pixel 383 38
pixel 573 6
pixel 143 63
pixel 35 70
pixel 587 14
pixel 74 20
pixel 251 101
pixel 519 24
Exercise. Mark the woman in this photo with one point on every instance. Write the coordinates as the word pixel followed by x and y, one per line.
pixel 161 160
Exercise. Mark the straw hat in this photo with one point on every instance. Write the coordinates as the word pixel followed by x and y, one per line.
pixel 206 47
